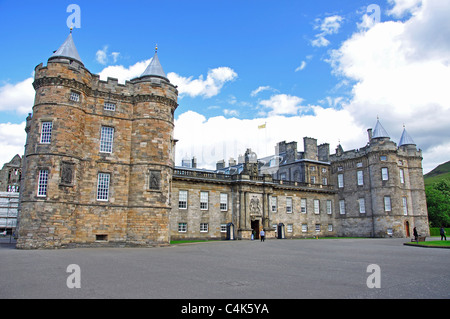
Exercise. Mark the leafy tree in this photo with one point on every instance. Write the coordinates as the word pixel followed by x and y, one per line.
pixel 438 203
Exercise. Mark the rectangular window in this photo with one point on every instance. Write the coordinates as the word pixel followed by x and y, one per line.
pixel 313 179
pixel 362 206
pixel 402 176
pixel 273 204
pixel 317 227
pixel 329 207
pixel 384 174
pixel 387 203
pixel 42 183
pixel 182 199
pixel 103 186
pixel 223 228
pixel 109 106
pixel 106 139
pixel 303 205
pixel 324 181
pixel 330 227
pixel 46 132
pixel 288 204
pixel 405 206
pixel 304 228
pixel 340 180
pixel 203 200
pixel 182 227
pixel 360 178
pixel 74 97
pixel 203 227
pixel 316 206
pixel 223 202
pixel 342 207
pixel 290 228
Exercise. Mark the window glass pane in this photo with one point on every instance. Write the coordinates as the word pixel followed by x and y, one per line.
pixel 46 132
pixel 106 139
pixel 103 186
pixel 42 183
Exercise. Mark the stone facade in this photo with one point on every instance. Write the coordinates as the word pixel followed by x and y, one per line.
pixel 98 159
pixel 98 170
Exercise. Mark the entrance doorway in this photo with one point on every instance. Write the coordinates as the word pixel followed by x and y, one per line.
pixel 407 229
pixel 255 228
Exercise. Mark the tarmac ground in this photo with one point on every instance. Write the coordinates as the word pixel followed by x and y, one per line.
pixel 274 269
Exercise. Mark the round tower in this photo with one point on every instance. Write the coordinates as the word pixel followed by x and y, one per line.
pixel 53 151
pixel 151 158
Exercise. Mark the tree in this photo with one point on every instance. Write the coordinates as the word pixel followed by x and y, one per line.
pixel 438 203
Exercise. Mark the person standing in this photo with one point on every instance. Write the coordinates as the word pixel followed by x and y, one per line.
pixel 416 236
pixel 262 234
pixel 442 232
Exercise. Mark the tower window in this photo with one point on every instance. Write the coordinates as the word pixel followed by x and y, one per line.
pixel 106 139
pixel 74 97
pixel 103 186
pixel 42 183
pixel 46 132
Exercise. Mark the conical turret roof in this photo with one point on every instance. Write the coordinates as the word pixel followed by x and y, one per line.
pixel 154 68
pixel 379 131
pixel 406 139
pixel 67 50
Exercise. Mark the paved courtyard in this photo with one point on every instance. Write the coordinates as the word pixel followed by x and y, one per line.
pixel 274 269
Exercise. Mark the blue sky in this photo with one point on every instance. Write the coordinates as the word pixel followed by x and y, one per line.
pixel 307 68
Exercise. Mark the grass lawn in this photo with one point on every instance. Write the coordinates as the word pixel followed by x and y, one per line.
pixel 433 243
pixel 174 242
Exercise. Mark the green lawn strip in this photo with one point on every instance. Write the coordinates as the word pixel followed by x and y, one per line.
pixel 434 243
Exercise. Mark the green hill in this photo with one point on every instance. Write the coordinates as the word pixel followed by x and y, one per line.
pixel 440 172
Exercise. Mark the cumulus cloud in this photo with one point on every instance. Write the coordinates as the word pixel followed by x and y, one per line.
pixel 283 104
pixel 396 78
pixel 216 138
pixel 17 97
pixel 12 141
pixel 209 87
pixel 124 73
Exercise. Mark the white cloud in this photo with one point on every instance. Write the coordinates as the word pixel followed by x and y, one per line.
pixel 402 7
pixel 124 73
pixel 283 104
pixel 209 87
pixel 401 71
pixel 17 97
pixel 12 141
pixel 259 90
pixel 231 112
pixel 217 138
pixel 102 56
pixel 301 67
pixel 327 26
pixel 115 56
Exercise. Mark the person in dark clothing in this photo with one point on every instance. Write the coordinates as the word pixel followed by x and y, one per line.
pixel 416 236
pixel 442 232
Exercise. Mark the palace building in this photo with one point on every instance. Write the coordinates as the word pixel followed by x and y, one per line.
pixel 99 170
